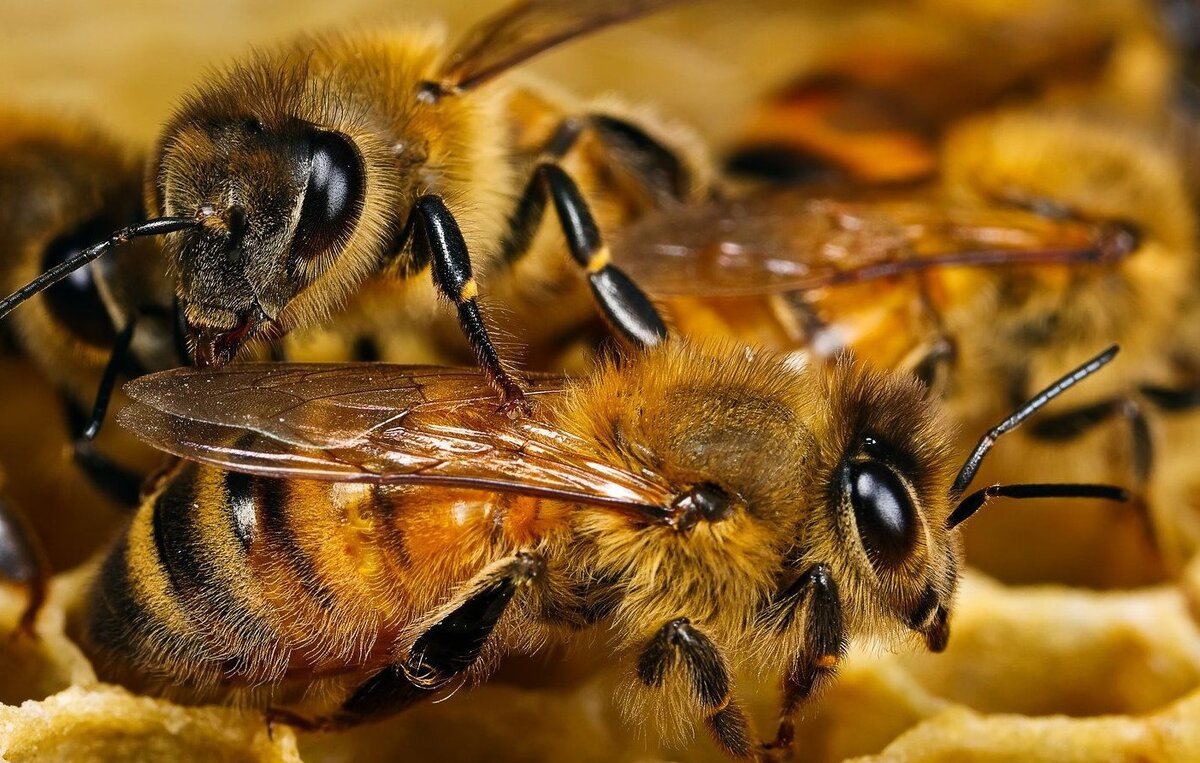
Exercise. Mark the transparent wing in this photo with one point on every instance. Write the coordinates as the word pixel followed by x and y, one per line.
pixel 379 423
pixel 529 27
pixel 783 241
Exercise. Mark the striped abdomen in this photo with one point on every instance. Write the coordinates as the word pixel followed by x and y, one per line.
pixel 224 580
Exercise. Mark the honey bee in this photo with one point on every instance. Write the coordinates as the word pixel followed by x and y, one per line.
pixel 980 283
pixel 342 166
pixel 359 536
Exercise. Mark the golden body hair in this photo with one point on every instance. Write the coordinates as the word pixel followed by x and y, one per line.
pixel 290 593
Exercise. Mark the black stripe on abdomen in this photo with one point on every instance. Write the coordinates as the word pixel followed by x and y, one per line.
pixel 272 498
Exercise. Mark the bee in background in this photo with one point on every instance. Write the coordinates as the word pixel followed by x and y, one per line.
pixel 316 180
pixel 383 533
pixel 64 183
pixel 1046 233
pixel 873 105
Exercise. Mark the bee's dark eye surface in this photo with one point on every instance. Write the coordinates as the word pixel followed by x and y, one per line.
pixel 333 198
pixel 75 301
pixel 883 512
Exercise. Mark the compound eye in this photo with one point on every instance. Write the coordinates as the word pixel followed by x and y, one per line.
pixel 75 301
pixel 333 198
pixel 883 512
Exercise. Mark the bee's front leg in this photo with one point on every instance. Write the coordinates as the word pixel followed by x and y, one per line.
pixel 444 651
pixel 824 646
pixel 437 240
pixel 679 642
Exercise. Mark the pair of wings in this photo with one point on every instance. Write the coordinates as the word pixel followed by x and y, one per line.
pixel 385 424
pixel 790 240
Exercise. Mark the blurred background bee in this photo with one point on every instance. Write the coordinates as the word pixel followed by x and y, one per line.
pixel 63 183
pixel 438 535
pixel 877 94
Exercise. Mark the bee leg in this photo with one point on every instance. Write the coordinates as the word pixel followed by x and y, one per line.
pixel 121 485
pixel 1075 423
pixel 22 563
pixel 935 362
pixel 116 482
pixel 446 650
pixel 681 642
pixel 1141 445
pixel 626 308
pixel 437 239
pixel 628 149
pixel 824 646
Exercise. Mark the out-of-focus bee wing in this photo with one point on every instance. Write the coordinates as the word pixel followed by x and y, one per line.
pixel 784 241
pixel 529 27
pixel 379 423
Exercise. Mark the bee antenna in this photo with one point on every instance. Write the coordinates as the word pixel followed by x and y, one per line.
pixel 977 500
pixel 156 227
pixel 971 466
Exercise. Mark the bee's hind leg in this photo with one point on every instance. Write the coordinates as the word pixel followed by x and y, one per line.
pixel 446 650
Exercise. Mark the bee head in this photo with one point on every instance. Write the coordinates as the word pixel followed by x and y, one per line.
pixel 887 496
pixel 884 466
pixel 279 199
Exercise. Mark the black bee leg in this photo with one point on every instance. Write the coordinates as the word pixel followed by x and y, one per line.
pixel 824 645
pixel 116 482
pixel 437 239
pixel 940 352
pixel 626 308
pixel 679 643
pixel 117 361
pixel 656 170
pixel 1075 423
pixel 935 363
pixel 443 652
pixel 1141 446
pixel 22 563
